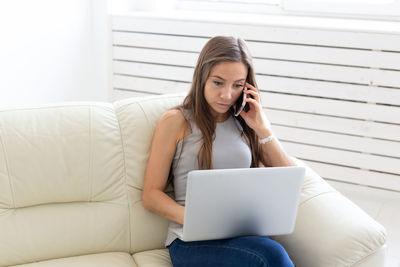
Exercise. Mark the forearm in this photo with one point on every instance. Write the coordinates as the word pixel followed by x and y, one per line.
pixel 160 203
pixel 272 152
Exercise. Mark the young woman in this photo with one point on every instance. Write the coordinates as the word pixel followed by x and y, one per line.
pixel 204 133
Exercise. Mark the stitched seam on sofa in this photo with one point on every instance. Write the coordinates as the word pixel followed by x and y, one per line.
pixel 52 107
pixel 90 170
pixel 144 113
pixel 136 187
pixel 233 248
pixel 161 97
pixel 85 202
pixel 137 264
pixel 8 170
pixel 147 100
pixel 126 184
pixel 324 193
pixel 366 257
pixel 137 201
pixel 64 259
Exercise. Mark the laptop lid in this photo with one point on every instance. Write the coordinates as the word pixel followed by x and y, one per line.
pixel 225 203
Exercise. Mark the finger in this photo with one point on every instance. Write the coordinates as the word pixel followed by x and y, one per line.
pixel 254 102
pixel 251 87
pixel 255 95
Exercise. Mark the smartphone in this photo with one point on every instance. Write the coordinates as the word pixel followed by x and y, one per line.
pixel 241 104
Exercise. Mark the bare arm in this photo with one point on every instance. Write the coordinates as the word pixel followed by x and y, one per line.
pixel 170 129
pixel 273 153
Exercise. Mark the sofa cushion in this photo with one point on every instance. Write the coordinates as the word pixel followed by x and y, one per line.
pixel 138 118
pixel 331 230
pixel 62 183
pixel 110 259
pixel 153 258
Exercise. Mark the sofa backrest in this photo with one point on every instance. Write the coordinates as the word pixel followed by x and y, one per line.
pixel 62 183
pixel 138 118
pixel 71 178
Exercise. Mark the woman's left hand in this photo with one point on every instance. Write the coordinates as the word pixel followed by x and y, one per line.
pixel 255 117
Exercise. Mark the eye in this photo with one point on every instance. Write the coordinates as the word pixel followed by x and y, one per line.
pixel 238 86
pixel 217 83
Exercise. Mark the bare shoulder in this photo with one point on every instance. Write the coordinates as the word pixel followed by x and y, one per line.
pixel 172 118
pixel 173 122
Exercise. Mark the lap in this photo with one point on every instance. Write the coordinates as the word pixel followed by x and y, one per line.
pixel 239 251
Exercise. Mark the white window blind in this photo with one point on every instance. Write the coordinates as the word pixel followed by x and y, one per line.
pixel 332 96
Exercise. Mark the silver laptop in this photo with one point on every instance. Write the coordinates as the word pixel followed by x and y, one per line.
pixel 225 203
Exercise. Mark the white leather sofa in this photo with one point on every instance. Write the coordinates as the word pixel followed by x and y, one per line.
pixel 70 194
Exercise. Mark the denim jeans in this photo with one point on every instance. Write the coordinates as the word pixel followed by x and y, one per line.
pixel 246 251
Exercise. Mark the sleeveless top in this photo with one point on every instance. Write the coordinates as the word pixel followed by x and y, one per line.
pixel 229 150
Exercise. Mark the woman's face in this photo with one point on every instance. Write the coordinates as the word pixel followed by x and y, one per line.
pixel 224 86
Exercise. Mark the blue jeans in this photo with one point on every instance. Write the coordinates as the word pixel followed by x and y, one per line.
pixel 246 251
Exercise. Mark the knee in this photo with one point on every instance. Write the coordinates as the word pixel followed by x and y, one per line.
pixel 279 256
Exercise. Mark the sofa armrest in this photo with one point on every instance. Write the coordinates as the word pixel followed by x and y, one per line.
pixel 331 230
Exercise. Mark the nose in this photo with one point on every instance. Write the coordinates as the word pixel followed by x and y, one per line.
pixel 226 92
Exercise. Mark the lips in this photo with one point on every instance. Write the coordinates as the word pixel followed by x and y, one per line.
pixel 223 106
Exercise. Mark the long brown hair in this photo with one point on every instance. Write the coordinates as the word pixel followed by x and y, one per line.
pixel 218 49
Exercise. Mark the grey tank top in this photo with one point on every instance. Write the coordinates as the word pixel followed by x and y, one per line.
pixel 229 150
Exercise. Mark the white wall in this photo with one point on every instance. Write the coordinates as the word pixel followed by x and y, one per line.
pixel 52 51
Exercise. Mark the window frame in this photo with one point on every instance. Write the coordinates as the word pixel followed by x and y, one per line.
pixel 237 6
pixel 329 8
pixel 367 9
